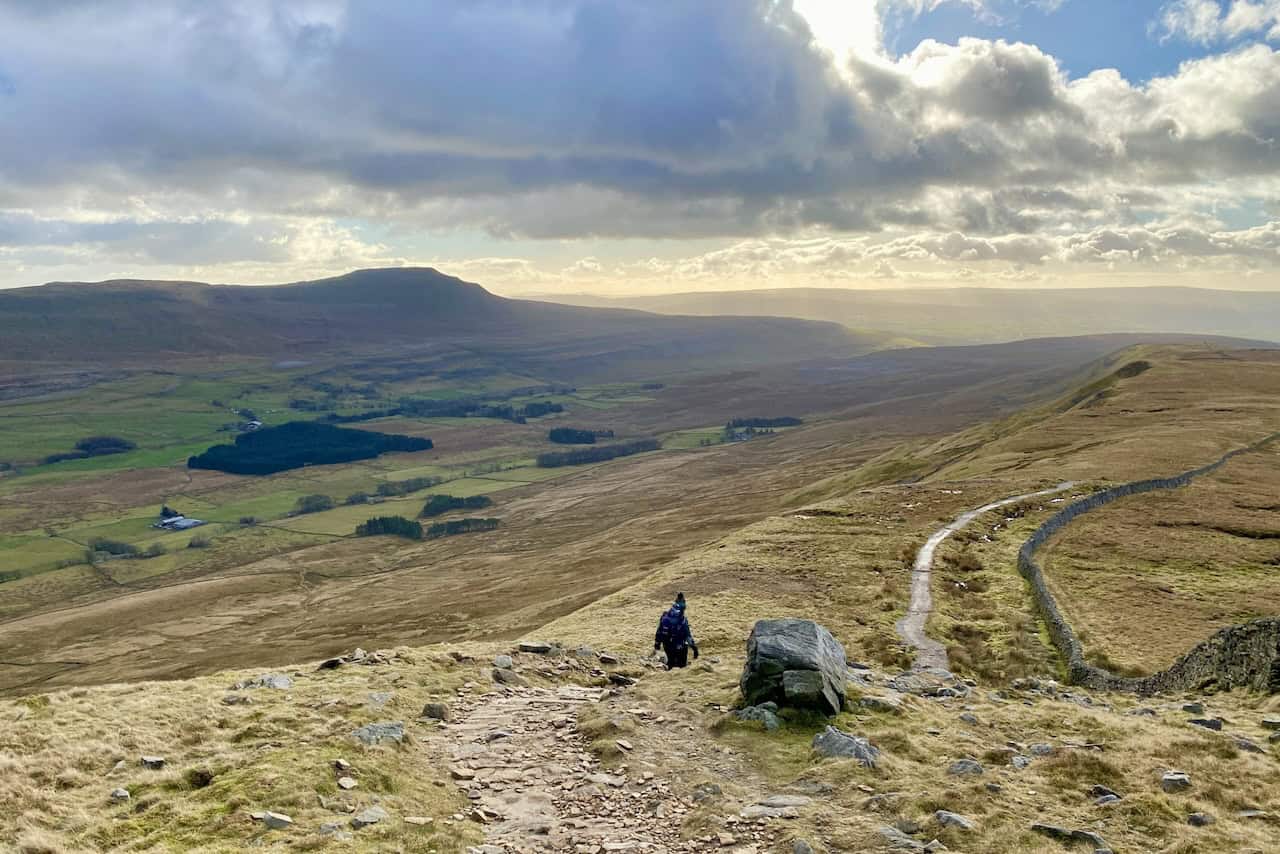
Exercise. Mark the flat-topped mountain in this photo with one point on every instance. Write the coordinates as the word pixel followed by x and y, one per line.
pixel 130 321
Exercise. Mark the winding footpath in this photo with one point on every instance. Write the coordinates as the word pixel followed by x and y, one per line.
pixel 931 656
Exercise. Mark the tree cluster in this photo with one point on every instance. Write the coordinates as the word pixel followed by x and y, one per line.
pixel 397 526
pixel 786 421
pixel 301 443
pixel 93 446
pixel 316 503
pixel 572 436
pixel 596 453
pixel 438 504
pixel 459 526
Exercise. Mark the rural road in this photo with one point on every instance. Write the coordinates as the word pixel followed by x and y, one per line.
pixel 931 655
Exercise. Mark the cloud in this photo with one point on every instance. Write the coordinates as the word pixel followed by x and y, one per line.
pixel 1209 21
pixel 261 132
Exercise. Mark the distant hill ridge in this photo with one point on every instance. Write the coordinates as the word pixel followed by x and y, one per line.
pixel 132 321
pixel 986 315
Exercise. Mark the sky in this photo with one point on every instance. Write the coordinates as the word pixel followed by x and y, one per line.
pixel 636 147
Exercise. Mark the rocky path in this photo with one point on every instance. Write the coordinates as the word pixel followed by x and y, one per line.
pixel 535 786
pixel 931 656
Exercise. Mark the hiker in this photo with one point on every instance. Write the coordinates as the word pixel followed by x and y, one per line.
pixel 674 635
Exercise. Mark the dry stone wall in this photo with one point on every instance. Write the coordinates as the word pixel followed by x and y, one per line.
pixel 1247 655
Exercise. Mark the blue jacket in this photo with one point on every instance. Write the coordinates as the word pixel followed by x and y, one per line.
pixel 674 631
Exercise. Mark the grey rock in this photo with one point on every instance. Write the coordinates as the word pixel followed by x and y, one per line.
pixel 705 792
pixel 1261 815
pixel 436 711
pixel 995 788
pixel 1100 791
pixel 887 704
pixel 1200 819
pixel 584 652
pixel 900 841
pixel 833 743
pixel 908 826
pixel 372 815
pixel 535 647
pixel 509 677
pixel 1193 708
pixel 1208 723
pixel 780 801
pixel 759 811
pixel 153 763
pixel 1273 738
pixel 1020 762
pixel 1143 712
pixel 607 658
pixel 1271 723
pixel 780 652
pixel 378 699
pixel 342 764
pixel 376 733
pixel 503 662
pixel 969 718
pixel 237 700
pixel 347 783
pixel 761 713
pixel 1175 781
pixel 276 820
pixel 119 796
pixel 935 845
pixel 1106 800
pixel 1042 750
pixel 1248 746
pixel 800 846
pixel 278 681
pixel 964 768
pixel 950 819
pixel 1053 831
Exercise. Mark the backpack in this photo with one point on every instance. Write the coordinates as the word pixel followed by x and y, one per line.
pixel 673 628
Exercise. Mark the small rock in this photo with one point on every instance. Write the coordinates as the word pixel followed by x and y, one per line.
pixel 509 677
pixel 1208 723
pixel 1100 791
pixel 607 658
pixel 623 744
pixel 119 796
pixel 840 745
pixel 1248 746
pixel 347 783
pixel 1020 762
pixel 705 792
pixel 1143 712
pixel 1200 819
pixel 276 820
pixel 969 718
pixel 377 733
pixel 888 705
pixel 436 711
pixel 1042 750
pixel 372 815
pixel 759 811
pixel 760 713
pixel 1053 831
pixel 1175 781
pixel 1271 723
pixel 1273 738
pixel 964 768
pixel 899 840
pixel 725 840
pixel 1262 815
pixel 503 662
pixel 783 801
pixel 237 700
pixel 1105 800
pixel 278 681
pixel 908 826
pixel 154 763
pixel 950 819
pixel 418 820
pixel 342 765
pixel 800 846
pixel 535 647
pixel 1193 708
pixel 995 788
pixel 935 845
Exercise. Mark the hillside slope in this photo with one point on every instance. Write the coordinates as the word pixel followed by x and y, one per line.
pixel 137 322
pixel 980 315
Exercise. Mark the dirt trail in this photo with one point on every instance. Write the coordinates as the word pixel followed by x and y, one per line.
pixel 535 786
pixel 931 655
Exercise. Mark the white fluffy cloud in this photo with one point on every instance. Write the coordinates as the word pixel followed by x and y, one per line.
pixel 1210 21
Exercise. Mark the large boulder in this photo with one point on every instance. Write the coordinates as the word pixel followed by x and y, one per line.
pixel 794 663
